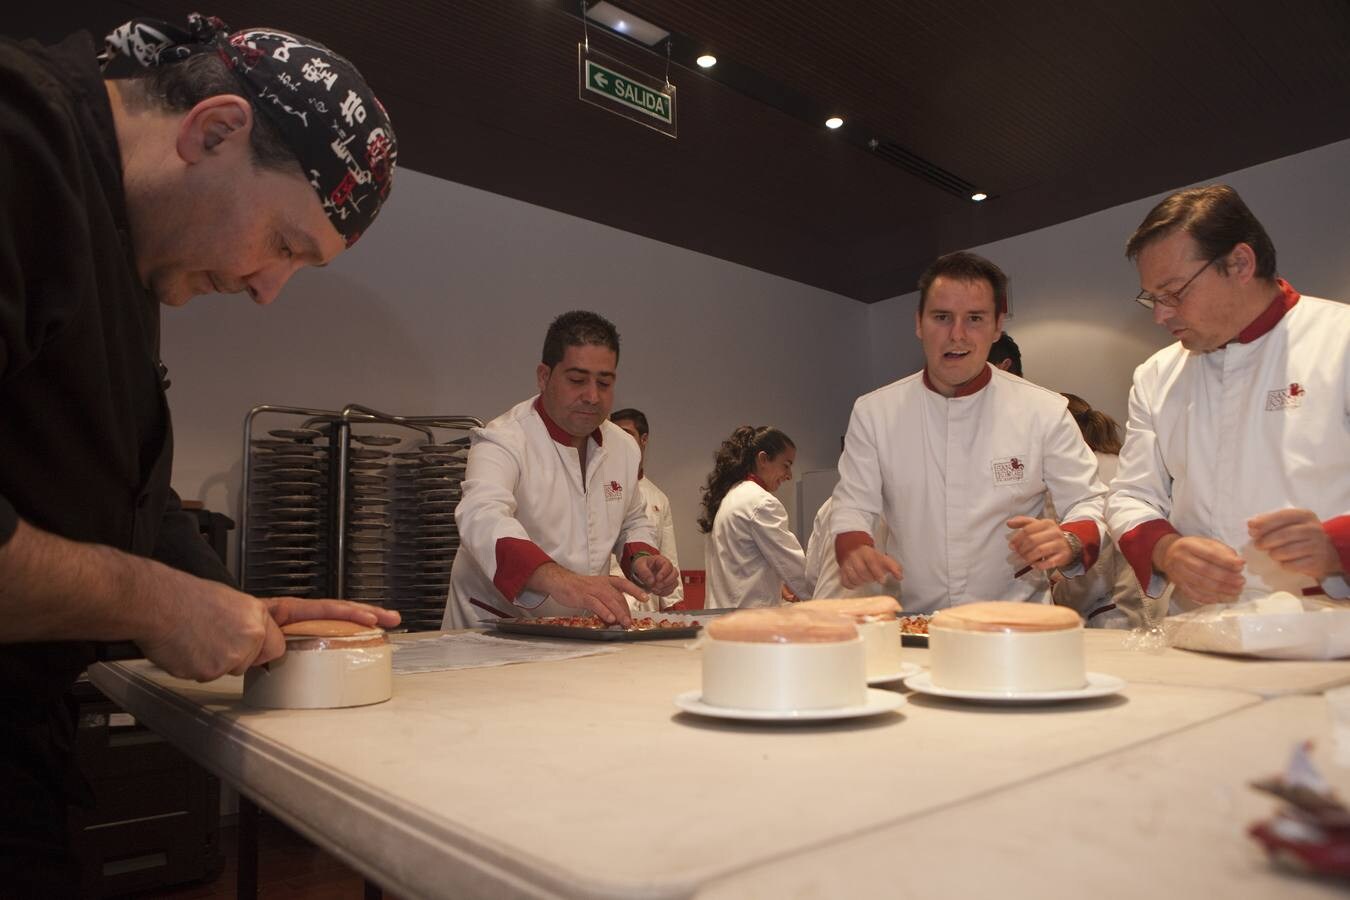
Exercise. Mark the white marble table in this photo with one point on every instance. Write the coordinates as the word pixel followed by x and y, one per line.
pixel 579 778
pixel 1166 818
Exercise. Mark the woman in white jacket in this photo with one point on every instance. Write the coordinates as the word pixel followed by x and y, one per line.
pixel 750 553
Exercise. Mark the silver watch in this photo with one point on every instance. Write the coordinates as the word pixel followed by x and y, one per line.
pixel 1075 546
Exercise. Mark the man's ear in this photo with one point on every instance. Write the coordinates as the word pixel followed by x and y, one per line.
pixel 541 376
pixel 214 125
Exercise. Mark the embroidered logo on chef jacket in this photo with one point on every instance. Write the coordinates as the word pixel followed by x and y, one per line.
pixel 1008 470
pixel 1285 398
pixel 613 491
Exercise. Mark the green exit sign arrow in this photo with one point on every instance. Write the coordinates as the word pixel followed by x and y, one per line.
pixel 626 91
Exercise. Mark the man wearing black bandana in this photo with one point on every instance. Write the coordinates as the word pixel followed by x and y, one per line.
pixel 196 161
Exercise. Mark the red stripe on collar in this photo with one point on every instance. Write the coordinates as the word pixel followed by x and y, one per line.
pixel 556 432
pixel 755 478
pixel 972 386
pixel 1271 316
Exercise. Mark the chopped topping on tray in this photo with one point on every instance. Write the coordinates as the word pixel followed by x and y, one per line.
pixel 914 624
pixel 647 623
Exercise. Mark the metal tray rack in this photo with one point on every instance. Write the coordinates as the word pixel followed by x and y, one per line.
pixel 356 504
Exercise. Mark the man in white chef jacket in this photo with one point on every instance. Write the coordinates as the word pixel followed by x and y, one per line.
pixel 634 421
pixel 1235 475
pixel 551 490
pixel 957 459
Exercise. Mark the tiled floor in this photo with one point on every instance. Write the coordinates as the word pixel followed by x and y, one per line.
pixel 289 868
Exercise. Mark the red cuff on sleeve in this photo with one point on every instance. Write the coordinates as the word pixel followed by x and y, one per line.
pixel 847 541
pixel 1137 544
pixel 1338 529
pixel 633 551
pixel 1088 534
pixel 516 561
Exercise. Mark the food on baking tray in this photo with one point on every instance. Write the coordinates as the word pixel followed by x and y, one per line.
pixel 1007 647
pixel 914 624
pixel 643 624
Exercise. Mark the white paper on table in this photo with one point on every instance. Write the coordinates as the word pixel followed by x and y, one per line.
pixel 473 650
pixel 1261 627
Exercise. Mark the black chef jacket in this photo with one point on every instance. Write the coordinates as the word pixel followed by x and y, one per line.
pixel 85 441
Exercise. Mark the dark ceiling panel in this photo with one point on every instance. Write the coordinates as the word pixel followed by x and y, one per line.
pixel 1058 108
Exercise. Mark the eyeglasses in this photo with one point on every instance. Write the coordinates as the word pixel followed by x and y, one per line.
pixel 1171 298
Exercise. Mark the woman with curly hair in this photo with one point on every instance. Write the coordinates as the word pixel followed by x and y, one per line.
pixel 750 552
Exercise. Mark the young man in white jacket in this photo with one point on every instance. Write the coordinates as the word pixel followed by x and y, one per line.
pixel 957 460
pixel 551 490
pixel 634 421
pixel 1235 475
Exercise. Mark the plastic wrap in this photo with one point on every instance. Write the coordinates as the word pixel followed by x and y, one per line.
pixel 1277 626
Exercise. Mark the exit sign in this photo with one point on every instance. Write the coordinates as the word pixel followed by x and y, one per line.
pixel 624 90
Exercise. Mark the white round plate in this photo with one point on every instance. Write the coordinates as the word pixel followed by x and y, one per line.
pixel 906 670
pixel 877 702
pixel 1098 685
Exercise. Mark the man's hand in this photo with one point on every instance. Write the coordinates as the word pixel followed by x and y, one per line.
pixel 210 630
pixel 1205 570
pixel 601 594
pixel 865 564
pixel 1039 542
pixel 1295 539
pixel 657 572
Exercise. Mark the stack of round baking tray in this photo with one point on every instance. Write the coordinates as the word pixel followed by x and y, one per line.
pixel 426 489
pixel 287 514
pixel 370 526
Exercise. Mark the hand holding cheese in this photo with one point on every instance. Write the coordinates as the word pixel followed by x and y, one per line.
pixel 1296 540
pixel 657 572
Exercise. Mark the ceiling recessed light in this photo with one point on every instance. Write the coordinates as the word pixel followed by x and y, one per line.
pixel 833 122
pixel 627 24
pixel 978 196
pixel 707 61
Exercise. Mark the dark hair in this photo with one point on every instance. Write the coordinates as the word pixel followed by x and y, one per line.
pixel 631 415
pixel 1099 430
pixel 578 328
pixel 1006 348
pixel 734 462
pixel 963 266
pixel 182 85
pixel 1216 218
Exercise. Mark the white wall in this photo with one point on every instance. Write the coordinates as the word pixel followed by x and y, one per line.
pixel 442 307
pixel 1071 286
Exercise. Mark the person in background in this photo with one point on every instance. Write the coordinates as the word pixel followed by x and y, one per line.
pixel 750 552
pixel 551 490
pixel 658 510
pixel 957 460
pixel 173 171
pixel 822 568
pixel 1108 596
pixel 1235 475
pixel 1006 355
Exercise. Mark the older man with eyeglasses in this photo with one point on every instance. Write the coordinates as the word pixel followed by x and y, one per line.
pixel 1234 480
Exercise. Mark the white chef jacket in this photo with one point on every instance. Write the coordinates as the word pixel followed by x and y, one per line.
pixel 1258 425
pixel 751 552
pixel 525 503
pixel 658 511
pixel 822 567
pixel 947 473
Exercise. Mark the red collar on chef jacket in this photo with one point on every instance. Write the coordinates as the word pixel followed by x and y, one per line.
pixel 1271 316
pixel 555 431
pixel 755 478
pixel 970 387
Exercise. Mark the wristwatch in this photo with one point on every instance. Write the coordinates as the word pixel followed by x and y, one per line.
pixel 1075 547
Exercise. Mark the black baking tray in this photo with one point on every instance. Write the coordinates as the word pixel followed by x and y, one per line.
pixel 611 633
